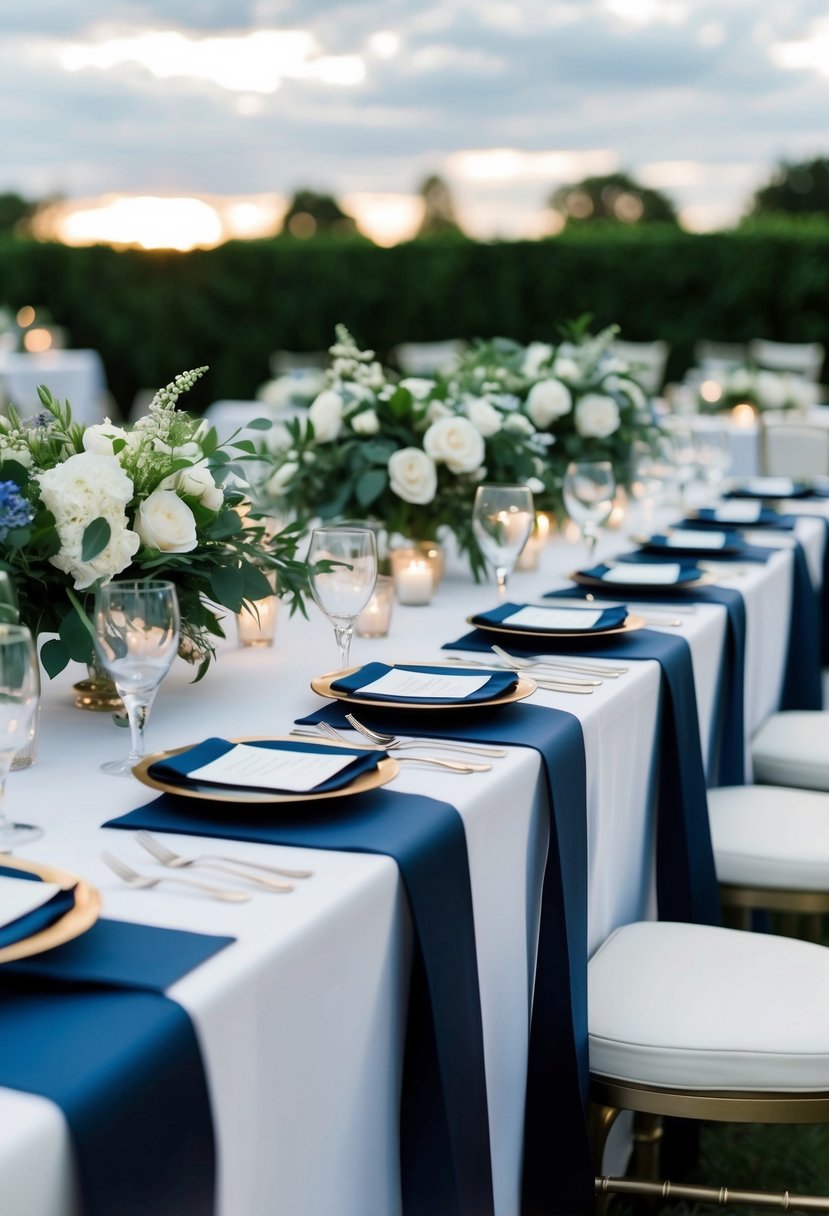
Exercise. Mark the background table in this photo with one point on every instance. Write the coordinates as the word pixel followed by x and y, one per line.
pixel 76 375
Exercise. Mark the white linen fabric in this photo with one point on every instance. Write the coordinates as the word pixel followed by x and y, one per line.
pixel 74 375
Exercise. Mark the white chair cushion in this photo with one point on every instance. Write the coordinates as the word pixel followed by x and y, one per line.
pixel 770 836
pixel 695 1007
pixel 792 748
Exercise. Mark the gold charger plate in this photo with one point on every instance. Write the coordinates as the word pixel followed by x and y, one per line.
pixel 80 917
pixel 386 770
pixel 631 623
pixel 632 589
pixel 322 685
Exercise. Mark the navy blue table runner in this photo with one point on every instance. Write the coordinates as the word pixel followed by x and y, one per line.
pixel 445 1156
pixel 88 1026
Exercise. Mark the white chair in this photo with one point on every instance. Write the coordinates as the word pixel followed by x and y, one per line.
pixel 648 361
pixel 706 1023
pixel 801 358
pixel 791 748
pixel 793 449
pixel 719 356
pixel 426 358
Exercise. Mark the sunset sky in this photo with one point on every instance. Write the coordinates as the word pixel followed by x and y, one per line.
pixel 237 104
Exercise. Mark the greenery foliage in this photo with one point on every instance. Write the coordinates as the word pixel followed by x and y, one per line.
pixel 233 306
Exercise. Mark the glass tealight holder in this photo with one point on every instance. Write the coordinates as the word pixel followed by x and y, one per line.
pixel 375 619
pixel 256 623
pixel 413 581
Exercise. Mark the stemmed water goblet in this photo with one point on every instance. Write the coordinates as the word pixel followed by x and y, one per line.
pixel 502 520
pixel 589 489
pixel 343 572
pixel 19 699
pixel 136 639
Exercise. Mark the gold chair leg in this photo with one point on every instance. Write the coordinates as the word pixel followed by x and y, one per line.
pixel 600 1120
pixel 647 1140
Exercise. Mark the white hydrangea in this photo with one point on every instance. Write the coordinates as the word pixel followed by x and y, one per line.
pixel 597 416
pixel 418 386
pixel 412 475
pixel 548 400
pixel 87 486
pixel 456 443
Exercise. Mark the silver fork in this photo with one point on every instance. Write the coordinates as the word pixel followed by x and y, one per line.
pixel 392 743
pixel 549 682
pixel 143 882
pixel 177 862
pixel 454 766
pixel 579 664
pixel 521 664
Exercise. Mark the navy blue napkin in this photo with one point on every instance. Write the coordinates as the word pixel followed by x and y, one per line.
pixel 176 769
pixel 499 682
pixel 558 1169
pixel 689 571
pixel 797 489
pixel 706 517
pixel 610 618
pixel 445 1155
pixel 658 543
pixel 38 918
pixel 92 1030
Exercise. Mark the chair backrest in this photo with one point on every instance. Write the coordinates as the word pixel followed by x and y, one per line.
pixel 283 361
pixel 793 449
pixel 426 358
pixel 647 360
pixel 801 358
pixel 719 356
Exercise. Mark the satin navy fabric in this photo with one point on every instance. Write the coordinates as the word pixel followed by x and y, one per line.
pixel 726 751
pixel 177 769
pixel 38 918
pixel 499 682
pixel 445 1156
pixel 88 1026
pixel 558 1170
pixel 610 618
pixel 685 876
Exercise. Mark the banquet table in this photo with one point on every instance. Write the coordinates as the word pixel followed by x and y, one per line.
pixel 301 1020
pixel 74 375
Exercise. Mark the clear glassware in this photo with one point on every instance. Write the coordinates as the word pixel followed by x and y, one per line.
pixel 589 489
pixel 502 520
pixel 137 632
pixel 19 700
pixel 343 572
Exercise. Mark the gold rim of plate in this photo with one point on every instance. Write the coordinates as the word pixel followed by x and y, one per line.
pixel 80 917
pixel 586 580
pixel 321 685
pixel 631 623
pixel 386 770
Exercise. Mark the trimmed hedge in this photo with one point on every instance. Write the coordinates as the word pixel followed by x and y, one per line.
pixel 153 314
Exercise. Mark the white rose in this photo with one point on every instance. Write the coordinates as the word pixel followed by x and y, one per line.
pixel 438 410
pixel 565 368
pixel 165 522
pixel 456 443
pixel 326 414
pixel 548 400
pixel 535 356
pixel 519 423
pixel 100 438
pixel 89 486
pixel 279 481
pixel 183 451
pixel 597 416
pixel 483 416
pixel 366 423
pixel 196 482
pixel 412 475
pixel 418 386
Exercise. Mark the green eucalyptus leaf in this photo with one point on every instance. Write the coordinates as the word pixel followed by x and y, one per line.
pixel 259 424
pixel 95 538
pixel 370 486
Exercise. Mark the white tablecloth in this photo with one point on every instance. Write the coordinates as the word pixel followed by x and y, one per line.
pixel 301 1020
pixel 74 375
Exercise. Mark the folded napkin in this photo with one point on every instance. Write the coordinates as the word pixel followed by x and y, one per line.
pixel 27 912
pixel 770 487
pixel 533 619
pixel 688 540
pixel 495 684
pixel 743 514
pixel 176 770
pixel 646 574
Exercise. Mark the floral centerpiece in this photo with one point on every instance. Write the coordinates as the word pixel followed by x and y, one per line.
pixel 80 506
pixel 582 398
pixel 409 453
pixel 764 390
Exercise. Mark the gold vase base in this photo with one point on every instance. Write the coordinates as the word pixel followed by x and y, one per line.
pixel 99 696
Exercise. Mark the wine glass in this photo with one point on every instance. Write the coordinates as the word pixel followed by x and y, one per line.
pixel 136 638
pixel 343 571
pixel 502 520
pixel 19 699
pixel 589 489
